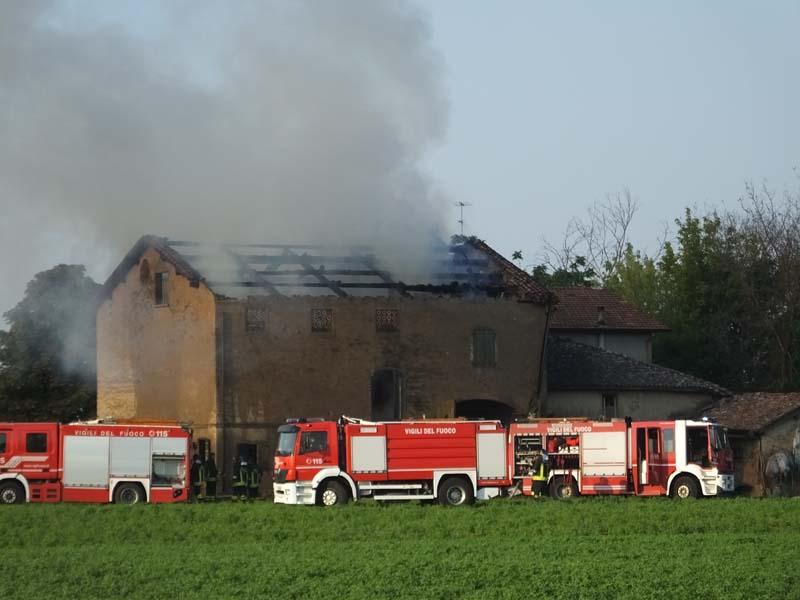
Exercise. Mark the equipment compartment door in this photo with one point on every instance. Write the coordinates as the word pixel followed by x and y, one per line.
pixel 86 461
pixel 130 457
pixel 492 455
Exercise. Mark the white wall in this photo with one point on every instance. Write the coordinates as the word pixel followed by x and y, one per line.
pixel 637 405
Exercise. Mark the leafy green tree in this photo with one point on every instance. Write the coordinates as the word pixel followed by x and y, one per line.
pixel 577 274
pixel 47 356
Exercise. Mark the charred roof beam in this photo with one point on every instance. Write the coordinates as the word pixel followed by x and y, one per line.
pixel 304 261
pixel 262 281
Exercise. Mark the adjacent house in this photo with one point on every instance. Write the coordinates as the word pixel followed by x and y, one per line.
pixel 601 318
pixel 584 380
pixel 236 338
pixel 600 363
pixel 764 431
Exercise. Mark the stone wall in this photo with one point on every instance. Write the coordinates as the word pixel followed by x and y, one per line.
pixel 158 361
pixel 284 369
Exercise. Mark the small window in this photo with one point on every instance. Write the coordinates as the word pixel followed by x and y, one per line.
pixel 161 298
pixel 669 441
pixel 652 442
pixel 2 443
pixel 36 442
pixel 256 319
pixel 386 319
pixel 484 348
pixel 609 406
pixel 321 319
pixel 314 441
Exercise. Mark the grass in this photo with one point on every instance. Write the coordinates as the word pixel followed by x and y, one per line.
pixel 520 548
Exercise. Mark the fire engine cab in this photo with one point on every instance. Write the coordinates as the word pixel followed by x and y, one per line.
pixel 457 461
pixel 94 462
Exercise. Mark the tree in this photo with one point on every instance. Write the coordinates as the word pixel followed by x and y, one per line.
pixel 47 356
pixel 577 274
pixel 599 239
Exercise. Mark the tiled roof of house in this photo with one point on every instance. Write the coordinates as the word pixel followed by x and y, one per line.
pixel 582 309
pixel 754 411
pixel 468 266
pixel 575 366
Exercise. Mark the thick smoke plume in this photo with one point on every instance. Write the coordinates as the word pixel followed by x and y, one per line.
pixel 235 121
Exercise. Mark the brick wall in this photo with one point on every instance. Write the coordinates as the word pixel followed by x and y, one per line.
pixel 157 362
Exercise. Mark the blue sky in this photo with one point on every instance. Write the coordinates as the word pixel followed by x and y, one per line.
pixel 555 104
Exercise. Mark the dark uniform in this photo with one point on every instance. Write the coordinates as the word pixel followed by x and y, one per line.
pixel 539 474
pixel 241 478
pixel 254 480
pixel 211 476
pixel 197 477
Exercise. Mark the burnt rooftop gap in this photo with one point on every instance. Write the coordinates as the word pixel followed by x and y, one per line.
pixel 294 269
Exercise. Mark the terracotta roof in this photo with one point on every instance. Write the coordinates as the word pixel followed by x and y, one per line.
pixel 574 366
pixel 754 411
pixel 468 266
pixel 582 309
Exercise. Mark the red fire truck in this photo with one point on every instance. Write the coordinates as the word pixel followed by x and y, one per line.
pixel 457 461
pixel 94 462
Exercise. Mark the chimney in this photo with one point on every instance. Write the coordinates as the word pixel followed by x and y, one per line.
pixel 601 316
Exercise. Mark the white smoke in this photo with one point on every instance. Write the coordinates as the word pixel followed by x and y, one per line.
pixel 236 121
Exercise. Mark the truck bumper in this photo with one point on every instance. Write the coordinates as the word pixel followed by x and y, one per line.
pixel 725 484
pixel 293 493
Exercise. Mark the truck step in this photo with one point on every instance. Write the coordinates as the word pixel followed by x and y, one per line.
pixel 405 497
pixel 390 486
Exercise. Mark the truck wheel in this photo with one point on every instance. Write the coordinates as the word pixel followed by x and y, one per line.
pixel 455 491
pixel 11 493
pixel 684 487
pixel 563 488
pixel 129 493
pixel 332 493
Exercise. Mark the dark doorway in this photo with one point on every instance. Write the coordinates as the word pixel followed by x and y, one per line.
pixel 387 395
pixel 484 409
pixel 248 452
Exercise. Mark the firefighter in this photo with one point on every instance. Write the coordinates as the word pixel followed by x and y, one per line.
pixel 197 477
pixel 254 480
pixel 539 473
pixel 211 476
pixel 241 477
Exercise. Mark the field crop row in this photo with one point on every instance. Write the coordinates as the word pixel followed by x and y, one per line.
pixel 520 548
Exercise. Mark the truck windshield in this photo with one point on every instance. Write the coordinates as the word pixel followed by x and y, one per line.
pixel 286 443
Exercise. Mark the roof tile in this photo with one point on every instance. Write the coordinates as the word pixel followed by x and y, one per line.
pixel 575 366
pixel 754 411
pixel 579 309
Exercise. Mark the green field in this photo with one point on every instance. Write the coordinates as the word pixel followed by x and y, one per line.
pixel 520 548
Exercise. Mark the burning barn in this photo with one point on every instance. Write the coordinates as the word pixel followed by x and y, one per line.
pixel 236 338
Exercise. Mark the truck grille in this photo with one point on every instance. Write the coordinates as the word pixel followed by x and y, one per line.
pixel 280 476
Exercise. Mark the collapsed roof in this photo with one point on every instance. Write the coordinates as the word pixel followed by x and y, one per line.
pixel 575 366
pixel 467 266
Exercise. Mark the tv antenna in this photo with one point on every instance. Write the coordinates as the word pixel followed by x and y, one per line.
pixel 461 206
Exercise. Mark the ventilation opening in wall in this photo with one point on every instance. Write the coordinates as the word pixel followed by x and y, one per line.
pixel 386 388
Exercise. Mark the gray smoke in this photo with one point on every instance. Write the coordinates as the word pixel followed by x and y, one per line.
pixel 235 121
